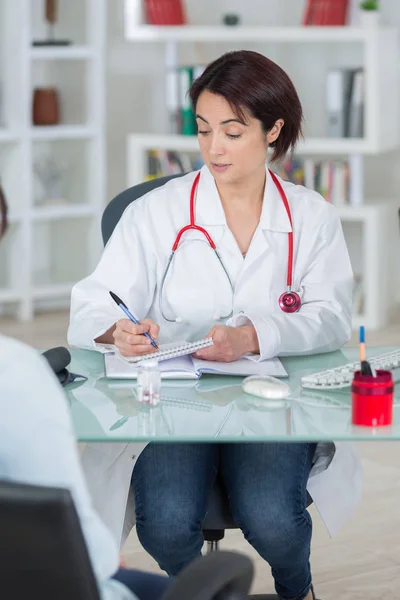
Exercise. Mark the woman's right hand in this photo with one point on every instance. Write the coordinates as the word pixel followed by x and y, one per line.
pixel 129 337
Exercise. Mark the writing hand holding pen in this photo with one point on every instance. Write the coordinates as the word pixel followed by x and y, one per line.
pixel 134 338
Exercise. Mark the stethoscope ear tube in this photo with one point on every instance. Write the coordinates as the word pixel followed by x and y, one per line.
pixel 171 256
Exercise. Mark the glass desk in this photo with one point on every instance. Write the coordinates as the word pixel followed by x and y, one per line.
pixel 215 407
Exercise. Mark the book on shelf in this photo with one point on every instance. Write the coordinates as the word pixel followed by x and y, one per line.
pixel 330 178
pixel 345 103
pixel 326 12
pixel 181 119
pixel 168 162
pixel 164 12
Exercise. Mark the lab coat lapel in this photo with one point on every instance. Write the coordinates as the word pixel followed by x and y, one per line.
pixel 210 215
pixel 208 208
pixel 273 218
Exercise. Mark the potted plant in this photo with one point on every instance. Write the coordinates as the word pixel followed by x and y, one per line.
pixel 370 13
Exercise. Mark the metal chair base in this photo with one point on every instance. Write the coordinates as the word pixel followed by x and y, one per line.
pixel 212 547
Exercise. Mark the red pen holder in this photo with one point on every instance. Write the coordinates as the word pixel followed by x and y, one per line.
pixel 372 399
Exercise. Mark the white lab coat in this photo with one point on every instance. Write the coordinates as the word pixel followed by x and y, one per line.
pixel 197 291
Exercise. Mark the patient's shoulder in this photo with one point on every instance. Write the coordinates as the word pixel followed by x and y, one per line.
pixel 12 350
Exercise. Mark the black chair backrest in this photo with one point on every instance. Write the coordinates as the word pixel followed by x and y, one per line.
pixel 217 576
pixel 113 211
pixel 42 550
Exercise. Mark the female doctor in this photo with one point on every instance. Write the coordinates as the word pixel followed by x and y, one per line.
pixel 260 265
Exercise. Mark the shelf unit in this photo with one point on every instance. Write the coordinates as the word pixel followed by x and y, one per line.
pixel 187 143
pixel 53 241
pixel 62 132
pixel 295 34
pixel 62 53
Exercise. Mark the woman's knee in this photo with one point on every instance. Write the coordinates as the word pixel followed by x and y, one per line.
pixel 166 531
pixel 275 526
pixel 173 539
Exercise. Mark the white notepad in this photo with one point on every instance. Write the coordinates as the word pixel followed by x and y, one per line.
pixel 188 367
pixel 168 351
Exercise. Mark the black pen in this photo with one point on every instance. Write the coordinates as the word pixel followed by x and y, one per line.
pixel 130 316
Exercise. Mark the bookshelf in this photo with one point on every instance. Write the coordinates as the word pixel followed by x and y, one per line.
pixel 52 241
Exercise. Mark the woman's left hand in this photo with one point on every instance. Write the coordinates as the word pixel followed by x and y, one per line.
pixel 230 343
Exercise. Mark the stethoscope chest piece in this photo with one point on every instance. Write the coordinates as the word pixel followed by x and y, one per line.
pixel 289 302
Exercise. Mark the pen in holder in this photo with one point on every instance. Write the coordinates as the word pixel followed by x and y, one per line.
pixel 372 399
pixel 371 393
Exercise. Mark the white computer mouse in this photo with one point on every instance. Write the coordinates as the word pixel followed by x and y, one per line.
pixel 270 389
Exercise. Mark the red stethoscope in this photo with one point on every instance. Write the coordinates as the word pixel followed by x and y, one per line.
pixel 289 301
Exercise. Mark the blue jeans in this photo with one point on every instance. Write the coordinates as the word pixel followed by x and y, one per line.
pixel 146 586
pixel 266 486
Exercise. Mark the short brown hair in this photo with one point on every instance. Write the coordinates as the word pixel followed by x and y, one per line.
pixel 249 80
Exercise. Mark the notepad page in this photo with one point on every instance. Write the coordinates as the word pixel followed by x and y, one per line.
pixel 172 350
pixel 241 367
pixel 174 368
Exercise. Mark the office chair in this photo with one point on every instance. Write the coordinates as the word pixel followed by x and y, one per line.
pixel 114 209
pixel 43 554
pixel 218 517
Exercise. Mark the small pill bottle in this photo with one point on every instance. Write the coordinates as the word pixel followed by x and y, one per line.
pixel 149 382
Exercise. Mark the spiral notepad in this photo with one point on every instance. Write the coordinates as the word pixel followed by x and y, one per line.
pixel 167 351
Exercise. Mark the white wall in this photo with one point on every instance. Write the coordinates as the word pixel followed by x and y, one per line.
pixel 135 78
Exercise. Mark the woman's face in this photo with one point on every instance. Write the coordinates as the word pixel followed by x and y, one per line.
pixel 232 149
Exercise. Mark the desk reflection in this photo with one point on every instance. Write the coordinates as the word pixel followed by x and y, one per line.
pixel 209 408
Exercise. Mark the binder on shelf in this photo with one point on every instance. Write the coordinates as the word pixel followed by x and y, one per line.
pixel 345 103
pixel 188 121
pixel 337 82
pixel 180 116
pixel 172 95
pixel 356 105
pixel 326 12
pixel 164 12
